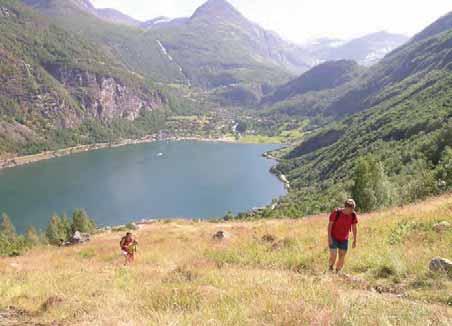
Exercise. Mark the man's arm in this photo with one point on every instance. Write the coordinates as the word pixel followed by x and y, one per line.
pixel 355 234
pixel 330 237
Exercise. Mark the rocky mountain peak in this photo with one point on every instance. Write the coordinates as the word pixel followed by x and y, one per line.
pixel 217 9
pixel 84 4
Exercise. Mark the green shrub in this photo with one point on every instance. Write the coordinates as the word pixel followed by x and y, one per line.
pixel 371 188
pixel 15 247
pixel 7 228
pixel 82 222
pixel 56 233
pixel 131 226
pixel 32 236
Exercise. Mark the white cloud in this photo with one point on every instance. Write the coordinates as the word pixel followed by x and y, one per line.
pixel 299 20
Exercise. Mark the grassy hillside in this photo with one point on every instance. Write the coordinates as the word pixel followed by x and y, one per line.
pixel 269 272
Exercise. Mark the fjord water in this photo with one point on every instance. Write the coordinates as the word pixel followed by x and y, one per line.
pixel 155 180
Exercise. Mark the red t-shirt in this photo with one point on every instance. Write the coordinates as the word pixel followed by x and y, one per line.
pixel 125 243
pixel 342 224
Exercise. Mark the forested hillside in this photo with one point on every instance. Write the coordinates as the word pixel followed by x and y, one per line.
pixel 58 89
pixel 392 131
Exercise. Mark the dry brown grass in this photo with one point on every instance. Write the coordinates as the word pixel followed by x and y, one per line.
pixel 183 277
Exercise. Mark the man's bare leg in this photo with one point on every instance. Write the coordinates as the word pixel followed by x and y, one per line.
pixel 333 257
pixel 341 260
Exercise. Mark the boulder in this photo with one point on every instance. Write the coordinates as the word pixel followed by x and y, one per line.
pixel 221 235
pixel 79 237
pixel 51 302
pixel 441 226
pixel 439 264
pixel 268 238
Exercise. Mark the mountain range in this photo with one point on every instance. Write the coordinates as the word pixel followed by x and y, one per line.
pixel 216 49
pixel 216 46
pixel 366 50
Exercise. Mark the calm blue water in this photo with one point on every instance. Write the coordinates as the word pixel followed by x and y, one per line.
pixel 116 186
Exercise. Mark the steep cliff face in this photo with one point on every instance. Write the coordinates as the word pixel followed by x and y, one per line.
pixel 104 97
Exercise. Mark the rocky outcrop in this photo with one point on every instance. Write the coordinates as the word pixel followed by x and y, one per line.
pixel 79 237
pixel 4 12
pixel 221 235
pixel 439 264
pixel 441 226
pixel 104 97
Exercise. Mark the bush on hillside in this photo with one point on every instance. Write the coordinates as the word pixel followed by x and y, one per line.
pixel 7 228
pixel 56 232
pixel 33 237
pixel 11 244
pixel 15 247
pixel 371 188
pixel 82 222
pixel 444 169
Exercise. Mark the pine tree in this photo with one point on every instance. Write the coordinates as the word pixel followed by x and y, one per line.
pixel 65 227
pixel 53 231
pixel 371 188
pixel 445 169
pixel 7 228
pixel 82 222
pixel 32 236
pixel 362 189
pixel 382 187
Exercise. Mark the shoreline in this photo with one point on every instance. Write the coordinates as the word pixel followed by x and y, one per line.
pixel 16 161
pixel 282 177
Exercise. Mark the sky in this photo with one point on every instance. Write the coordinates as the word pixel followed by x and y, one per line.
pixel 301 20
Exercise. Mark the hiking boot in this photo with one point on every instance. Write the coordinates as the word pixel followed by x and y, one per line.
pixel 341 273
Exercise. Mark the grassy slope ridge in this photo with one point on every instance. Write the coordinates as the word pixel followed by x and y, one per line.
pixel 183 277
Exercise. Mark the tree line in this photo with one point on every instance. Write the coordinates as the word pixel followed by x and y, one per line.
pixel 59 230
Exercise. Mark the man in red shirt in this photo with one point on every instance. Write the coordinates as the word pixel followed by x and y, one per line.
pixel 128 248
pixel 342 221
